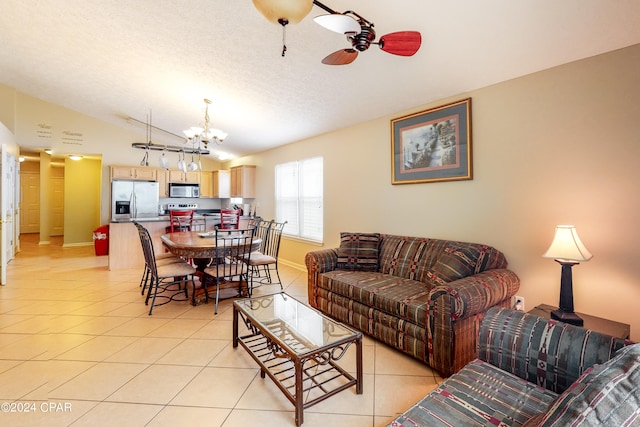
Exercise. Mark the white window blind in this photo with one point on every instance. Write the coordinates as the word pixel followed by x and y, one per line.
pixel 299 198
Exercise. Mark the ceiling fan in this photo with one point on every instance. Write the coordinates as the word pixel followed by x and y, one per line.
pixel 360 33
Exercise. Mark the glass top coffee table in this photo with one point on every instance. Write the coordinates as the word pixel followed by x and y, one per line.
pixel 298 348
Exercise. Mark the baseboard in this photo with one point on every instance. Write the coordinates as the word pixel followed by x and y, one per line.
pixel 73 245
pixel 300 267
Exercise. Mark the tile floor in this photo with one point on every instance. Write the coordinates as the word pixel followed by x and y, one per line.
pixel 78 348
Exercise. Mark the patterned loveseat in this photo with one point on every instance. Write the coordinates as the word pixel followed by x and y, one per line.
pixel 423 296
pixel 532 371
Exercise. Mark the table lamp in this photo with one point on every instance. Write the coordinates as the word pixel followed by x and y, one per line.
pixel 567 250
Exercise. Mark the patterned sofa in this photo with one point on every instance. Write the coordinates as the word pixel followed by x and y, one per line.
pixel 423 296
pixel 532 371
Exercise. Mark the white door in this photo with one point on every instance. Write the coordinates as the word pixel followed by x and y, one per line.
pixel 7 203
pixel 17 211
pixel 3 224
pixel 29 202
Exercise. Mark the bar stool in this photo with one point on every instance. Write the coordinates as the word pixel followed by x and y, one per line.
pixel 180 220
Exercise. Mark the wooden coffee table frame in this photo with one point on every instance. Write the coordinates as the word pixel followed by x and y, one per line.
pixel 286 358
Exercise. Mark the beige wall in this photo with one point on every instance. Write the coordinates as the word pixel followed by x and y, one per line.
pixel 559 146
pixel 7 139
pixel 7 108
pixel 81 200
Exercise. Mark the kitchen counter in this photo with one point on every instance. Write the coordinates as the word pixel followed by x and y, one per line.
pixel 125 250
pixel 144 219
pixel 124 242
pixel 162 218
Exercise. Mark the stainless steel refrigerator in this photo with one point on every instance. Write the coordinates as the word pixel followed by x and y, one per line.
pixel 134 199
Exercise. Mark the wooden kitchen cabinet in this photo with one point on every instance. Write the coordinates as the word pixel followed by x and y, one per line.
pixel 143 173
pixel 206 184
pixel 221 180
pixel 163 183
pixel 191 177
pixel 243 181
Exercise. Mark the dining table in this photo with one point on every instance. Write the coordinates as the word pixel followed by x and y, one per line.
pixel 201 247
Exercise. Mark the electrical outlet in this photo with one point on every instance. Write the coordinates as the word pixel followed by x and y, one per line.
pixel 517 302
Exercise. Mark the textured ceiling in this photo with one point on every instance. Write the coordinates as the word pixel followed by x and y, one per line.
pixel 114 58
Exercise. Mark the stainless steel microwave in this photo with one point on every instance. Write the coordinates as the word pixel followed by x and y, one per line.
pixel 180 189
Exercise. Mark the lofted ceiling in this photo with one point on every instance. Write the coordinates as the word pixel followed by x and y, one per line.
pixel 111 59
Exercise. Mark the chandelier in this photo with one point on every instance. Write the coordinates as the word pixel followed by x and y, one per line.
pixel 197 135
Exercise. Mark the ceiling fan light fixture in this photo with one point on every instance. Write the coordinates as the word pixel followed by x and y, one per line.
pixel 339 23
pixel 276 11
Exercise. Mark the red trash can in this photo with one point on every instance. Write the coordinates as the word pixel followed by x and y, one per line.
pixel 101 240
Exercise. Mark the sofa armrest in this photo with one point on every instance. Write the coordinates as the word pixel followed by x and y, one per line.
pixel 475 294
pixel 545 352
pixel 318 262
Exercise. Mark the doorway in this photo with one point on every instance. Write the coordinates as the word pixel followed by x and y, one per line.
pixel 30 195
pixel 9 213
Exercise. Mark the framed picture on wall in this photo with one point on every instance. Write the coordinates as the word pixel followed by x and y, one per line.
pixel 432 145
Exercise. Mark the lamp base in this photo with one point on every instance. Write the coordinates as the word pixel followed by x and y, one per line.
pixel 570 318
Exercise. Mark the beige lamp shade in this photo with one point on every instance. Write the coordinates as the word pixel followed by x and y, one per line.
pixel 566 246
pixel 291 10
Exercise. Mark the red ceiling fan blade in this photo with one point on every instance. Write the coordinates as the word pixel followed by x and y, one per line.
pixel 341 57
pixel 403 43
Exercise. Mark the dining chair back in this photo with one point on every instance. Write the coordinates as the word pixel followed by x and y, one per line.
pixel 167 280
pixel 229 219
pixel 233 246
pixel 262 233
pixel 254 222
pixel 249 221
pixel 180 220
pixel 265 262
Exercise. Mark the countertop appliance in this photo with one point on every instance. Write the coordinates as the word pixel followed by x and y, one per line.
pixel 180 189
pixel 134 199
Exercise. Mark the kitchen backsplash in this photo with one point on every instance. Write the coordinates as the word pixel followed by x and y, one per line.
pixel 203 203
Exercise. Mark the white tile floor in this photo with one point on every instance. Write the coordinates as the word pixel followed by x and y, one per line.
pixel 78 348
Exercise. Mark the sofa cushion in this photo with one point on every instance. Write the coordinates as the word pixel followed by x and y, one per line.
pixel 606 394
pixel 454 262
pixel 436 261
pixel 408 257
pixel 547 352
pixel 402 298
pixel 480 395
pixel 358 251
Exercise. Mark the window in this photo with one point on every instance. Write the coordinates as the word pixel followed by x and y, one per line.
pixel 299 198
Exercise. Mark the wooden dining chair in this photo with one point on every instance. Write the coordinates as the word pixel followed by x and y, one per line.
pixel 166 281
pixel 229 219
pixel 233 247
pixel 180 220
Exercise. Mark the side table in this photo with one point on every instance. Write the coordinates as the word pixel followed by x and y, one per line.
pixel 598 324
